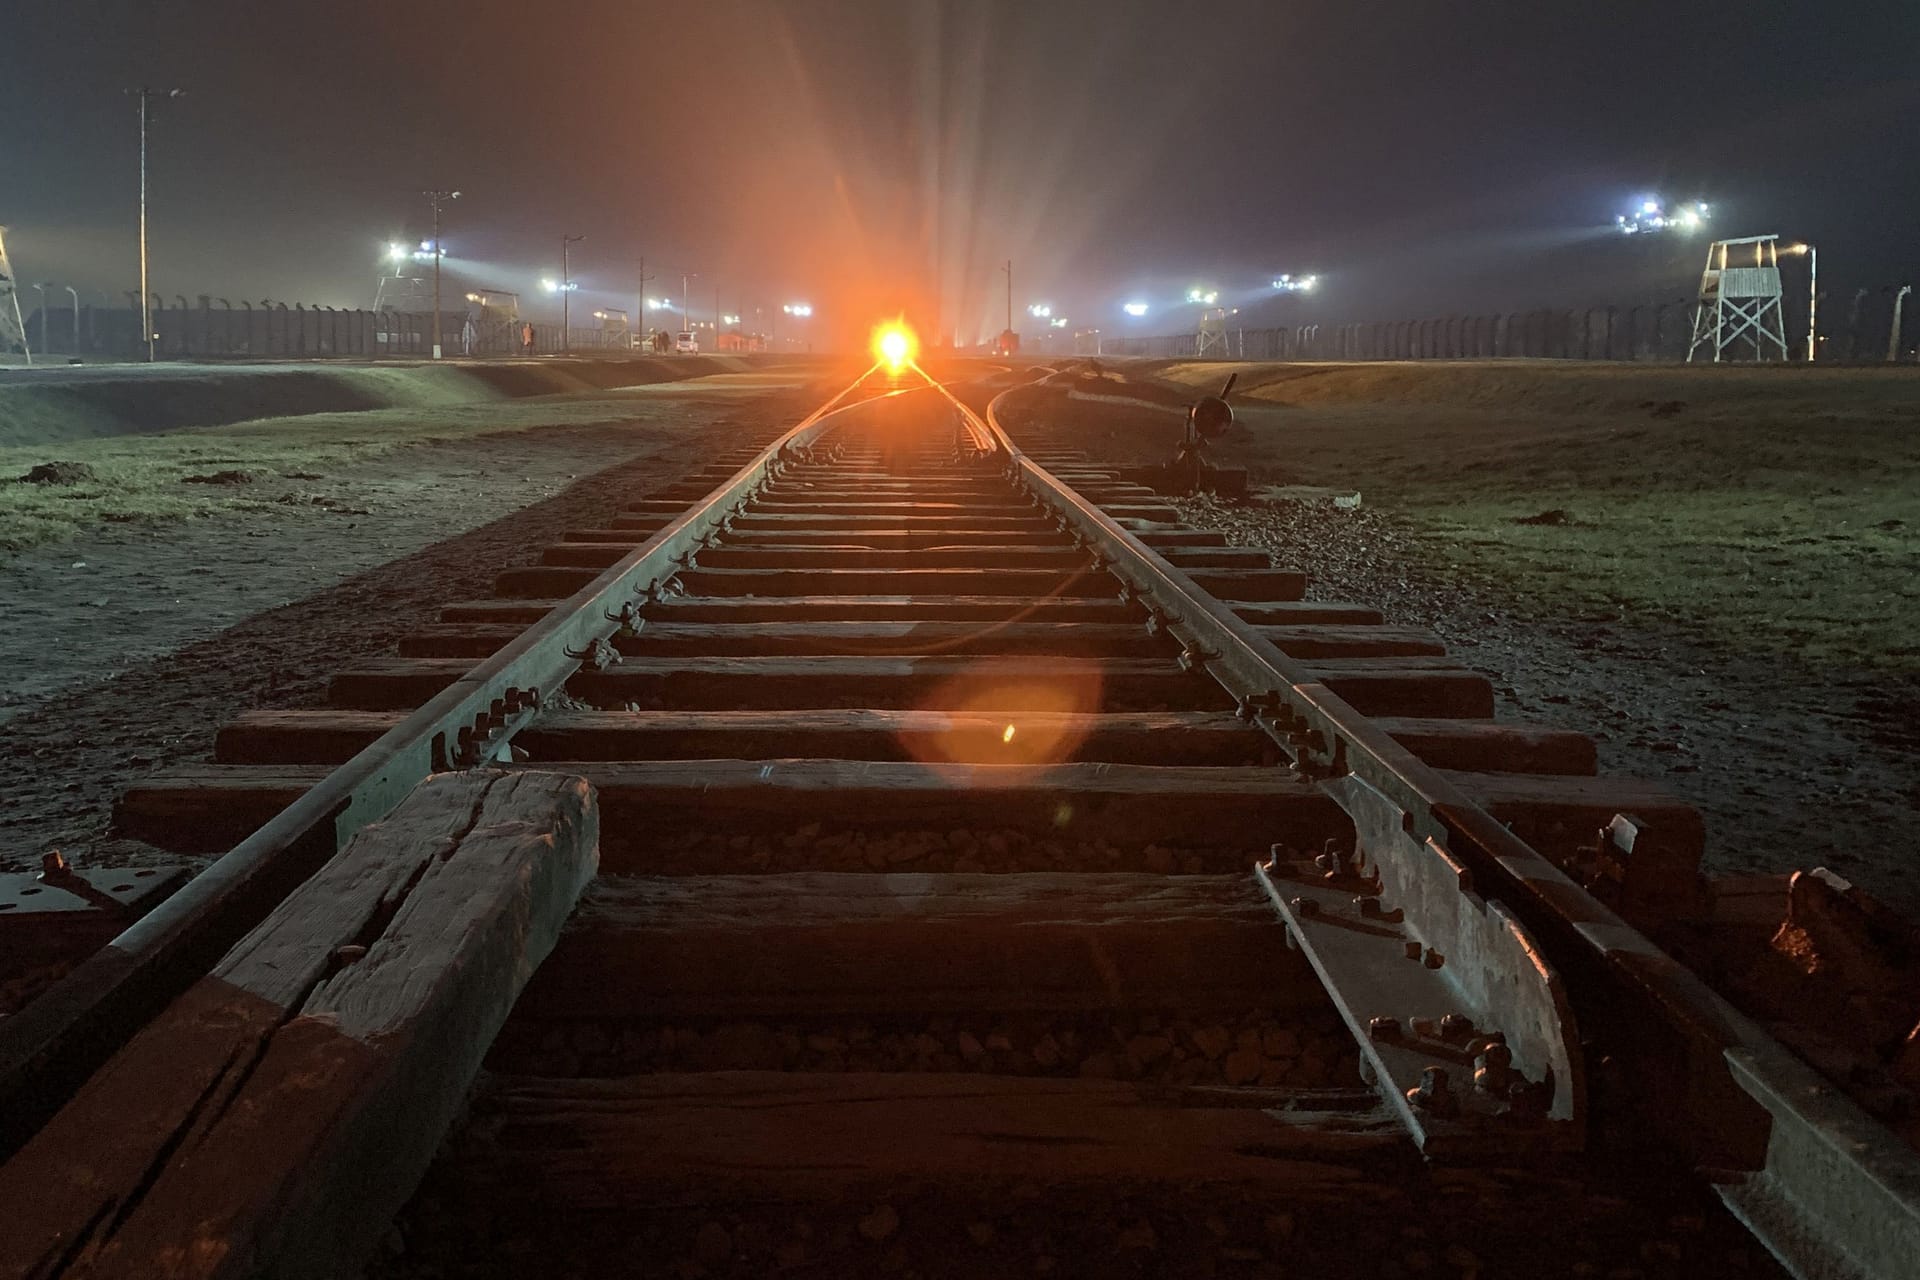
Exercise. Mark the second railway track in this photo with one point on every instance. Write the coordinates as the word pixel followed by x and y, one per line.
pixel 995 876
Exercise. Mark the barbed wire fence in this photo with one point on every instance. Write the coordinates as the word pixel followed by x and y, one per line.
pixel 1867 329
pixel 216 328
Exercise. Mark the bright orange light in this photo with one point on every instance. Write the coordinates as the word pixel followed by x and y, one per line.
pixel 894 345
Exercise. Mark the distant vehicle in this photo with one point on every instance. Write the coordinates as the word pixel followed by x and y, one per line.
pixel 686 344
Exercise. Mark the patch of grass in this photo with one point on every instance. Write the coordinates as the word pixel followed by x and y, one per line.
pixel 1773 513
pixel 142 478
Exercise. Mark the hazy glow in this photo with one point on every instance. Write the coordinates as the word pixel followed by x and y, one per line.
pixel 1651 215
pixel 1135 309
pixel 894 344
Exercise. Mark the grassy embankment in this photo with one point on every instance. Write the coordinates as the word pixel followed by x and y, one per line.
pixel 141 476
pixel 1771 510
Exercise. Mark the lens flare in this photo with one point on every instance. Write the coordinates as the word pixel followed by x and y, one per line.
pixel 986 715
pixel 894 345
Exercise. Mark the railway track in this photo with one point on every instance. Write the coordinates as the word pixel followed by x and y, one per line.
pixel 994 876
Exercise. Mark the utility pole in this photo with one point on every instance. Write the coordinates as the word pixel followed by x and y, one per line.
pixel 146 300
pixel 1009 270
pixel 716 316
pixel 436 197
pixel 566 295
pixel 1813 303
pixel 641 313
pixel 686 317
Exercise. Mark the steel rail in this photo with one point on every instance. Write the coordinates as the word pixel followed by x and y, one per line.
pixel 48 1048
pixel 1828 1190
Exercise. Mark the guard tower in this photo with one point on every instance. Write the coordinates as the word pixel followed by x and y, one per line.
pixel 1212 337
pixel 13 330
pixel 1740 304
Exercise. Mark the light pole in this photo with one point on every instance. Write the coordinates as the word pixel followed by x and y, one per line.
pixel 566 294
pixel 42 289
pixel 686 317
pixel 146 301
pixel 76 318
pixel 1813 295
pixel 1009 270
pixel 436 197
pixel 640 298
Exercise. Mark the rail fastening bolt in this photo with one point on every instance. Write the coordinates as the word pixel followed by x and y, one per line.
pixel 1434 1093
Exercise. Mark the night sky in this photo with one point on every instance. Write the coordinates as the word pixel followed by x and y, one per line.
pixel 880 157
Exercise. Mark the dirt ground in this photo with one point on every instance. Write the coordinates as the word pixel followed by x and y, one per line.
pixel 123 648
pixel 146 479
pixel 1718 570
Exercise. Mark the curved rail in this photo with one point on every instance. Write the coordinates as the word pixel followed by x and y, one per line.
pixel 1825 1187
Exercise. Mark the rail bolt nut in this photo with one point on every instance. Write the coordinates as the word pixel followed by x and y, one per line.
pixel 1412 950
pixel 54 863
pixel 1493 1070
pixel 1305 906
pixel 1383 1028
pixel 1434 1093
pixel 1456 1027
pixel 1478 1044
pixel 1368 906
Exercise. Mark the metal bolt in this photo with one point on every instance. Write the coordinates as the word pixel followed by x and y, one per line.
pixel 344 956
pixel 1383 1028
pixel 1306 906
pixel 1434 1093
pixel 1368 906
pixel 1478 1045
pixel 1433 959
pixel 54 863
pixel 1413 950
pixel 1493 1070
pixel 1455 1026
